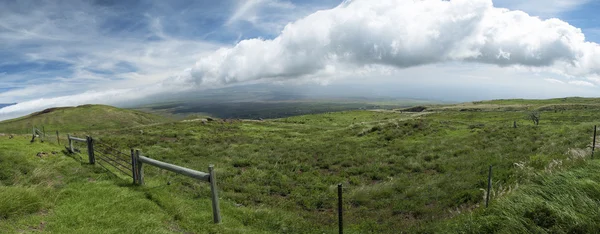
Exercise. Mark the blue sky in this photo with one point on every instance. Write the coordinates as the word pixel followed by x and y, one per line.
pixel 54 52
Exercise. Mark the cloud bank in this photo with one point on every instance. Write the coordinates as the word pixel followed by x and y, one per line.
pixel 402 33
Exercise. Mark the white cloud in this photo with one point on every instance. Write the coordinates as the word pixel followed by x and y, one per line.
pixel 544 8
pixel 248 10
pixel 581 83
pixel 402 33
pixel 554 81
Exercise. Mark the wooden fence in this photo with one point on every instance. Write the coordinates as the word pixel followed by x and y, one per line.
pixel 36 132
pixel 137 169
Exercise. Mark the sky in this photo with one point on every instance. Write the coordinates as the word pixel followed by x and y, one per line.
pixel 64 53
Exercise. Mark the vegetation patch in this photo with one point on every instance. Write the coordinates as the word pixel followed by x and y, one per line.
pixel 416 172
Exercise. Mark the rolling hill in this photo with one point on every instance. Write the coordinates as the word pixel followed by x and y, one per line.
pixel 80 118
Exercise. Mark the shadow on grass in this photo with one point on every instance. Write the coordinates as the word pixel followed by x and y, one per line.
pixel 75 156
pixel 121 182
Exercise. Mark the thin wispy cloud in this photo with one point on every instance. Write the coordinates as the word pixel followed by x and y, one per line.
pixel 71 43
pixel 581 83
pixel 250 11
pixel 554 81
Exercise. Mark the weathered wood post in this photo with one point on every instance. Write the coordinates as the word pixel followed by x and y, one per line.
pixel 214 194
pixel 90 146
pixel 57 138
pixel 134 167
pixel 340 211
pixel 594 142
pixel 70 143
pixel 514 124
pixel 43 133
pixel 487 196
pixel 33 134
pixel 140 168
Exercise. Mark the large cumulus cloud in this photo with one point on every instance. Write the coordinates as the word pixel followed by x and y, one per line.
pixel 402 33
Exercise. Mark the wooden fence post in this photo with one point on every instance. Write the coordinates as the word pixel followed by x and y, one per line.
pixel 340 211
pixel 134 167
pixel 140 168
pixel 594 142
pixel 57 138
pixel 70 143
pixel 214 194
pixel 90 144
pixel 487 196
pixel 33 132
pixel 43 133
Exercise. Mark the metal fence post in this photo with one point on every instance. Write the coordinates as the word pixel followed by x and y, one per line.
pixel 214 194
pixel 140 168
pixel 594 142
pixel 340 216
pixel 90 144
pixel 487 197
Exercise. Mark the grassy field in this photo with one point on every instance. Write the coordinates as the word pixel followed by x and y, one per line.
pixel 417 172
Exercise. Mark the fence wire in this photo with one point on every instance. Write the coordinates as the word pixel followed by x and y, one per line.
pixel 79 147
pixel 112 152
pixel 113 157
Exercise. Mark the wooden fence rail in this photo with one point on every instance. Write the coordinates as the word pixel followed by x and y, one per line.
pixel 209 177
pixel 71 140
pixel 174 168
pixel 137 162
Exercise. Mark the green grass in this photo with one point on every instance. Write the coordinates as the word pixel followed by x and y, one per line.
pixel 61 193
pixel 563 202
pixel 81 118
pixel 416 172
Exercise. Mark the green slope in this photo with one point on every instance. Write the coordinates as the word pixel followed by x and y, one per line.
pixel 81 118
pixel 414 172
pixel 62 193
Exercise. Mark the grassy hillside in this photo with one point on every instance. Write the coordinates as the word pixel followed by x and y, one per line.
pixel 86 117
pixel 61 193
pixel 402 171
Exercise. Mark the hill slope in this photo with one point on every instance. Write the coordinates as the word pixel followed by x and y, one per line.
pixel 422 170
pixel 80 118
